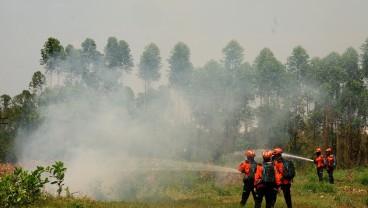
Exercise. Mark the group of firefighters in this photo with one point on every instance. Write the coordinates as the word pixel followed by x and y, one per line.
pixel 268 178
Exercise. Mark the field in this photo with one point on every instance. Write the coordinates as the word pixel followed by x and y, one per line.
pixel 210 189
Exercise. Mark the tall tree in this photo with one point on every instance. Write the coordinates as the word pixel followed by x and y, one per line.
pixel 297 95
pixel 73 63
pixel 364 58
pixel 269 75
pixel 37 83
pixel 233 55
pixel 180 67
pixel 330 77
pixel 270 79
pixel 92 63
pixel 51 55
pixel 118 59
pixel 352 110
pixel 149 65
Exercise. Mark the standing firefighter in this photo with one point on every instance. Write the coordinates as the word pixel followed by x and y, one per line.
pixel 319 161
pixel 248 167
pixel 330 164
pixel 267 182
pixel 286 170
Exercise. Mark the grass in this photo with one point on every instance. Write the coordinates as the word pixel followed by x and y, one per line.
pixel 206 189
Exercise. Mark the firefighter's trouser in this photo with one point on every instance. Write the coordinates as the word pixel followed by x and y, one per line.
pixel 320 173
pixel 330 175
pixel 269 193
pixel 247 189
pixel 287 194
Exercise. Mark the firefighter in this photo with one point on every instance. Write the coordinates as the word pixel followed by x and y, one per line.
pixel 319 161
pixel 266 182
pixel 330 164
pixel 285 182
pixel 248 167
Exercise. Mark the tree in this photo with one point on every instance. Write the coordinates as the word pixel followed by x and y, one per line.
pixel 271 80
pixel 51 55
pixel 24 110
pixel 269 74
pixel 73 63
pixel 90 54
pixel 180 67
pixel 233 55
pixel 297 96
pixel 149 65
pixel 364 58
pixel 330 76
pixel 117 59
pixel 351 110
pixel 92 62
pixel 37 83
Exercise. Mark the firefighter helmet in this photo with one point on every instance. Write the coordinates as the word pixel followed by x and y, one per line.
pixel 328 150
pixel 318 150
pixel 250 153
pixel 277 151
pixel 267 154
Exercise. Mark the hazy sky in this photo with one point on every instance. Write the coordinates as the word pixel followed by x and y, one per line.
pixel 206 26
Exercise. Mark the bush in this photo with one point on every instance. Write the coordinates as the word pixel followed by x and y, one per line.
pixel 364 179
pixel 22 188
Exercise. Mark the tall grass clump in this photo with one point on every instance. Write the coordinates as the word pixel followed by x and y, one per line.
pixel 319 187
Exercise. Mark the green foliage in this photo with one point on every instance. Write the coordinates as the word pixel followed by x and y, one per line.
pixel 58 172
pixel 150 64
pixel 314 187
pixel 180 66
pixel 364 179
pixel 22 187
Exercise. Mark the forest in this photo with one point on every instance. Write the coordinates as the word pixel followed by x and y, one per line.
pixel 225 106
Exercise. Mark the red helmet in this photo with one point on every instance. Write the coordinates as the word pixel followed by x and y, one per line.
pixel 277 151
pixel 250 153
pixel 318 150
pixel 328 150
pixel 267 154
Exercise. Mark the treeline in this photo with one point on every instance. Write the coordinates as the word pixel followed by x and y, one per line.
pixel 232 104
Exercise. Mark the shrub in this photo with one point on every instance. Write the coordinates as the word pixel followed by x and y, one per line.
pixel 364 179
pixel 22 188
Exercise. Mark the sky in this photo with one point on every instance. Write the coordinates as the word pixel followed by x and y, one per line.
pixel 206 26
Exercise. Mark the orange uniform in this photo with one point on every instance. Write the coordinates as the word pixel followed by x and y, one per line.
pixel 258 177
pixel 279 165
pixel 330 162
pixel 319 160
pixel 245 168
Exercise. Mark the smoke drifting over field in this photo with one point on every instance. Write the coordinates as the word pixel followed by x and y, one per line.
pixel 102 141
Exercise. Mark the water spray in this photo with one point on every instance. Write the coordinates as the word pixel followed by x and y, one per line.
pixel 296 157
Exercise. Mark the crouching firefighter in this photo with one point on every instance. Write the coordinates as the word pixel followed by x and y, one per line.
pixel 286 170
pixel 267 183
pixel 248 167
